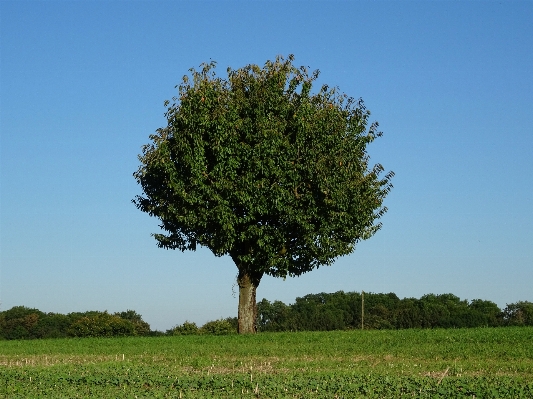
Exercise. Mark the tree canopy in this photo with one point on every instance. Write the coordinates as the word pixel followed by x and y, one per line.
pixel 258 167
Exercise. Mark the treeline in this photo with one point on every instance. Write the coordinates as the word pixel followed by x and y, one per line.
pixel 313 312
pixel 340 310
pixel 21 322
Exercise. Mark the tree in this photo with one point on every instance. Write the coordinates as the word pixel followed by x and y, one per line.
pixel 485 313
pixel 257 167
pixel 19 322
pixel 101 324
pixel 275 316
pixel 141 327
pixel 519 314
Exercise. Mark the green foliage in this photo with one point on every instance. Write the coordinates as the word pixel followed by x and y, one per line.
pixel 101 325
pixel 440 363
pixel 275 316
pixel 53 325
pixel 218 327
pixel 313 312
pixel 340 310
pixel 186 328
pixel 140 327
pixel 485 313
pixel 234 322
pixel 259 167
pixel 130 315
pixel 20 322
pixel 215 327
pixel 519 314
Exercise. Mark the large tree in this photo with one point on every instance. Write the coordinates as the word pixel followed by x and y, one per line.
pixel 259 167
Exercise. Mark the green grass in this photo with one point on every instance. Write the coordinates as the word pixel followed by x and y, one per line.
pixel 462 363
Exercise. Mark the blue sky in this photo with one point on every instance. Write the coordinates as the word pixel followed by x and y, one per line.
pixel 82 86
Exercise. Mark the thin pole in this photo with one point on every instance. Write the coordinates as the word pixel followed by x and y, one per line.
pixel 362 310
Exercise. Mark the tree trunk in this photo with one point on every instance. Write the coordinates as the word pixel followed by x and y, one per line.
pixel 247 317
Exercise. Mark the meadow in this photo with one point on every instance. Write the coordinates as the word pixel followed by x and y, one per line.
pixel 439 363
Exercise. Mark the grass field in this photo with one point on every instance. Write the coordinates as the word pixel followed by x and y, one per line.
pixel 462 363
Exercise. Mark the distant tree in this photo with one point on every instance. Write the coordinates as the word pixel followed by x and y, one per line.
pixel 485 313
pixel 519 314
pixel 74 316
pixel 101 324
pixel 130 315
pixel 408 314
pixel 19 322
pixel 459 314
pixel 187 328
pixel 52 325
pixel 321 312
pixel 380 310
pixel 234 322
pixel 259 168
pixel 218 327
pixel 272 316
pixel 141 327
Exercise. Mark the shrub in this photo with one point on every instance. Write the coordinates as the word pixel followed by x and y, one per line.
pixel 19 322
pixel 141 327
pixel 519 314
pixel 186 328
pixel 53 325
pixel 234 322
pixel 101 325
pixel 218 327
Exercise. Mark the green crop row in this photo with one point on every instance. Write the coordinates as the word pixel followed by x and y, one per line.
pixel 153 382
pixel 460 363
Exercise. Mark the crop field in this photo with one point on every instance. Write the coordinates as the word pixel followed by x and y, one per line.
pixel 454 363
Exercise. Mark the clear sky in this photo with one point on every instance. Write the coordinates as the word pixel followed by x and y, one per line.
pixel 82 86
